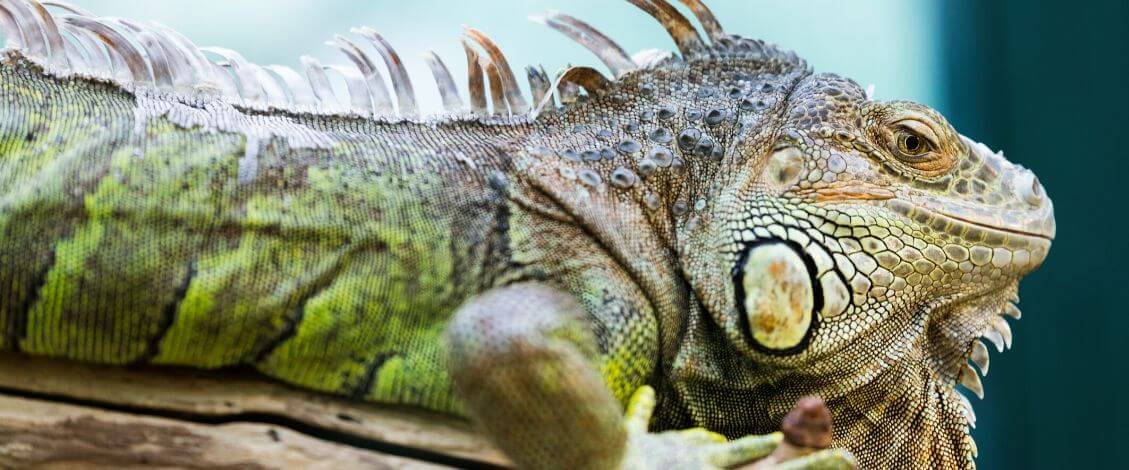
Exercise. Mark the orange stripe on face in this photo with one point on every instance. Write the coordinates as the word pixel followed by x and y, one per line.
pixel 853 193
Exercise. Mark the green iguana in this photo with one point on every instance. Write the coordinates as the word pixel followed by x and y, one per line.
pixel 718 232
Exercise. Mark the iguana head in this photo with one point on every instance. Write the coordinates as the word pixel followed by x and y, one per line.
pixel 866 248
pixel 839 246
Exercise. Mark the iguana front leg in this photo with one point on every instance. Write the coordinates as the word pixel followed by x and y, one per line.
pixel 525 363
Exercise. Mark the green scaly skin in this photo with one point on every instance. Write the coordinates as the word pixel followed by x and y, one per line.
pixel 504 269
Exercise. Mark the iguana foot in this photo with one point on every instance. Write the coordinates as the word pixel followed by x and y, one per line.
pixel 700 448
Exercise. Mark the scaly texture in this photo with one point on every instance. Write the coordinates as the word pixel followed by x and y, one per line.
pixel 724 226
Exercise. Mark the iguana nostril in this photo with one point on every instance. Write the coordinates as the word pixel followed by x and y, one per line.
pixel 1027 187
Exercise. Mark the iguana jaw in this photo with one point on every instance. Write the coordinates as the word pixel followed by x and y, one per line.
pixel 956 214
pixel 1014 230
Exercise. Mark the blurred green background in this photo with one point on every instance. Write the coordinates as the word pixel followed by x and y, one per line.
pixel 1046 81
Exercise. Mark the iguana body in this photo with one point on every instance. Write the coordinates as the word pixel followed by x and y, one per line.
pixel 332 268
pixel 530 271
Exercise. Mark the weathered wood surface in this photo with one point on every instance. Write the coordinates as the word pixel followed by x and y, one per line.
pixel 43 434
pixel 56 414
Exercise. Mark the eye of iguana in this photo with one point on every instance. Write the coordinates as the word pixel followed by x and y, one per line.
pixel 918 145
pixel 911 145
pixel 914 141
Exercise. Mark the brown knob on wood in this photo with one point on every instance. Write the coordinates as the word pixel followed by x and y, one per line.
pixel 808 424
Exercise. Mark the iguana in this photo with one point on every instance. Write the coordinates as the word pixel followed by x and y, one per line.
pixel 716 232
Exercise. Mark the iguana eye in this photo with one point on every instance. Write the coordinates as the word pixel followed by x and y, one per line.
pixel 915 145
pixel 911 145
pixel 913 141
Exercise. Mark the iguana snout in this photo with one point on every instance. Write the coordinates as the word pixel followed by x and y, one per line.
pixel 992 194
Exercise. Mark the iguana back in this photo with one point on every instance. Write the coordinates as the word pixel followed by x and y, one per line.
pixel 326 251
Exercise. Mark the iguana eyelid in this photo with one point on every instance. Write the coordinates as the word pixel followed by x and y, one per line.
pixel 922 130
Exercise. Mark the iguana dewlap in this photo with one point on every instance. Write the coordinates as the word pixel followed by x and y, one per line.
pixel 723 225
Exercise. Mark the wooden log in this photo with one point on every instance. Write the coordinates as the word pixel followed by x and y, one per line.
pixel 238 403
pixel 44 434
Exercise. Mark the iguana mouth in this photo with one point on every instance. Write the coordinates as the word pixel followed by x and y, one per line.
pixel 1031 228
pixel 989 226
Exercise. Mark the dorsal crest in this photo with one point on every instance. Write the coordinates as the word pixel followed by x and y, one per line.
pixel 69 41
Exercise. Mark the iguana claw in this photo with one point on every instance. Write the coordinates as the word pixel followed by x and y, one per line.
pixel 702 448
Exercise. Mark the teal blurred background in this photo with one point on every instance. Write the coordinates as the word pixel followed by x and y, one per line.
pixel 1046 81
pixel 901 55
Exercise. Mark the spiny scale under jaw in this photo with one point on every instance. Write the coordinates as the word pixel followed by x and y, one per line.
pixel 971 381
pixel 999 331
pixel 969 413
pixel 70 41
pixel 1011 307
pixel 979 356
pixel 999 334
